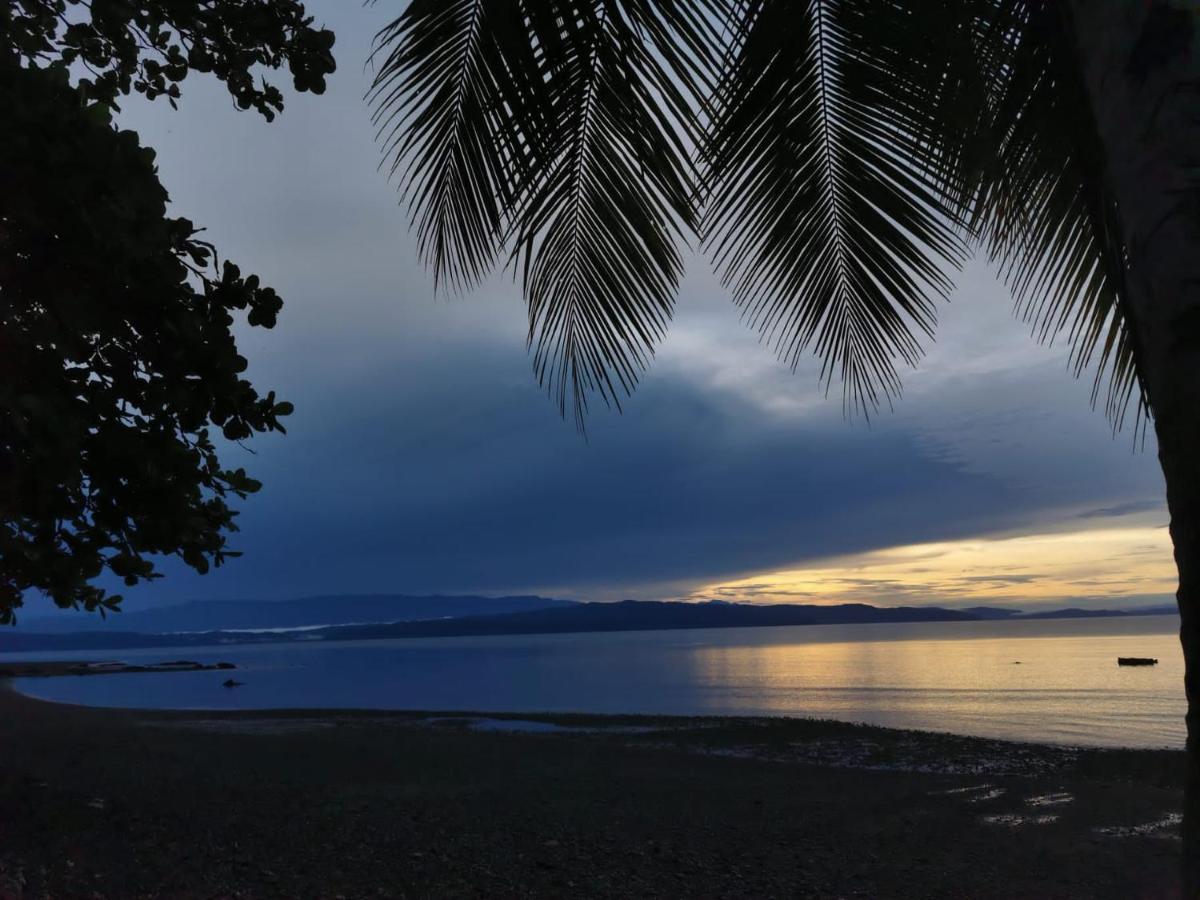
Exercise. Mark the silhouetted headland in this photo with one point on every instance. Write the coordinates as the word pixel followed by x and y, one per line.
pixel 399 616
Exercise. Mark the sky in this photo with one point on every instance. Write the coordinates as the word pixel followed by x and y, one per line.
pixel 423 457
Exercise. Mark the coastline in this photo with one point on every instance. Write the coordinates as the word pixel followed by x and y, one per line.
pixel 258 803
pixel 452 628
pixel 996 684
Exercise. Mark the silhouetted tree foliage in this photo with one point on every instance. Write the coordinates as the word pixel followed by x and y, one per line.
pixel 118 364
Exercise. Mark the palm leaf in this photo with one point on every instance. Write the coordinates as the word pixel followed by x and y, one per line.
pixel 446 68
pixel 824 216
pixel 848 149
pixel 597 234
pixel 1043 208
pixel 564 132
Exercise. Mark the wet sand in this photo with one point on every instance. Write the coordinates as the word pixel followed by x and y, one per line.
pixel 126 803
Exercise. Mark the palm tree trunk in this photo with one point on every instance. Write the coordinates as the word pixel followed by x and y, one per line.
pixel 1179 452
pixel 1140 60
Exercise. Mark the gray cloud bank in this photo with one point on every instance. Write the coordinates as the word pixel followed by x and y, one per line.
pixel 422 456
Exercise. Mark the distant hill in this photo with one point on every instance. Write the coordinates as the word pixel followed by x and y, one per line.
pixel 631 615
pixel 993 612
pixel 214 615
pixel 1076 613
pixel 550 617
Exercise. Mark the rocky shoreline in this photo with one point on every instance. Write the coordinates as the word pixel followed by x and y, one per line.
pixel 104 667
pixel 129 803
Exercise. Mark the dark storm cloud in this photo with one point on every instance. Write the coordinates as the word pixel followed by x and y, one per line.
pixel 453 478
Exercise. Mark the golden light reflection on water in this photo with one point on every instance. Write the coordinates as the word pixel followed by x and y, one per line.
pixel 942 676
pixel 1096 567
pixel 1055 687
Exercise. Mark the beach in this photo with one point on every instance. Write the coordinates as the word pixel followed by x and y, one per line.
pixel 134 803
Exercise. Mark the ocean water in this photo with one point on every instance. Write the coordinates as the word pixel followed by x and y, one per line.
pixel 1048 681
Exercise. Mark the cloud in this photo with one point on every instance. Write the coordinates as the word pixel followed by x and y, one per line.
pixel 1031 578
pixel 1154 506
pixel 1099 566
pixel 423 457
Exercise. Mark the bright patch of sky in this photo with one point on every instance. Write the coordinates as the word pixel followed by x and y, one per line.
pixel 1105 567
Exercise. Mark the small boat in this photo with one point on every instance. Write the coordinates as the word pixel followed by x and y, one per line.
pixel 230 683
pixel 1136 661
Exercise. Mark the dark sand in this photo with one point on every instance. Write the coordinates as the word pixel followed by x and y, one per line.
pixel 125 804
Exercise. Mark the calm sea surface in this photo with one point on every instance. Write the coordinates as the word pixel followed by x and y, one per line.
pixel 959 677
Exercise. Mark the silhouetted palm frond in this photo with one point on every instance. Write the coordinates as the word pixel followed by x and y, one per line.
pixel 444 68
pixel 836 157
pixel 1043 208
pixel 597 231
pixel 565 133
pixel 823 216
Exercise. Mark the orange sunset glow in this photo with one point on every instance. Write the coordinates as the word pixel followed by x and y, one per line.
pixel 1089 567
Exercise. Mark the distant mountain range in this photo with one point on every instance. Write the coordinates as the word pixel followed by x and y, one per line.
pixel 304 612
pixel 398 616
